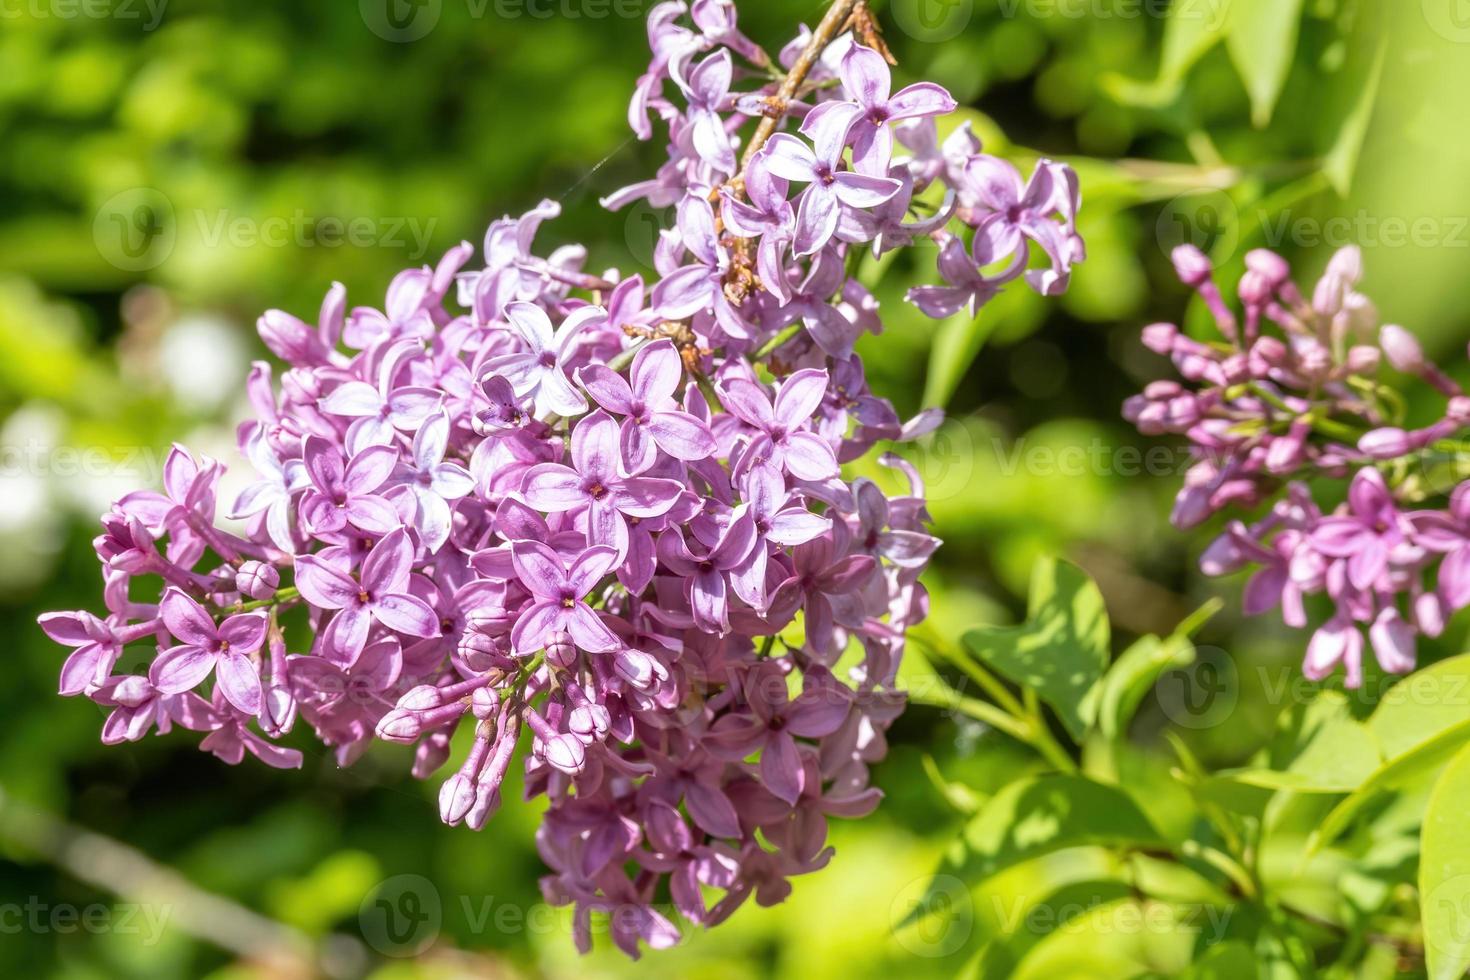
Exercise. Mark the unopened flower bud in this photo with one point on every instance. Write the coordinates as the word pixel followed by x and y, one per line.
pixel 1192 265
pixel 478 651
pixel 1159 337
pixel 257 580
pixel 565 752
pixel 1363 360
pixel 1386 443
pixel 1255 289
pixel 1401 348
pixel 456 797
pixel 560 650
pixel 484 703
pixel 1268 265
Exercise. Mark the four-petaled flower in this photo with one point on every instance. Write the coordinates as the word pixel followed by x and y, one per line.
pixel 561 593
pixel 380 595
pixel 204 648
pixel 652 420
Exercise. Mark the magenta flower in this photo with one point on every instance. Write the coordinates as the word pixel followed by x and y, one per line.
pixel 652 420
pixel 688 864
pixel 968 288
pixel 866 78
pixel 597 484
pixel 431 483
pixel 540 371
pixel 379 413
pixel 1367 535
pixel 405 315
pixel 560 598
pixel 206 648
pixel 1011 212
pixel 700 286
pixel 708 90
pixel 381 595
pixel 772 725
pixel 344 495
pixel 272 494
pixel 783 440
pixel 829 187
pixel 768 218
pixel 704 576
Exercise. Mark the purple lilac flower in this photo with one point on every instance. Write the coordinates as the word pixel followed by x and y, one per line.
pixel 586 509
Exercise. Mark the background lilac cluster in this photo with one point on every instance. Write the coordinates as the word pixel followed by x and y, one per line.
pixel 609 515
pixel 1300 387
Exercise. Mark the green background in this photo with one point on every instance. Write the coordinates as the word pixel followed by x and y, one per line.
pixel 246 137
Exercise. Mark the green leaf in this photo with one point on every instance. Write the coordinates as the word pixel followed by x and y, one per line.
pixel 1111 704
pixel 1033 817
pixel 1444 872
pixel 1262 41
pixel 1340 756
pixel 1193 28
pixel 1061 650
pixel 1394 774
pixel 1342 160
pixel 1420 723
pixel 1422 705
pixel 1223 961
pixel 1024 926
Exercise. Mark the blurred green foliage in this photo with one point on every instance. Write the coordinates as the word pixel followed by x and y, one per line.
pixel 255 137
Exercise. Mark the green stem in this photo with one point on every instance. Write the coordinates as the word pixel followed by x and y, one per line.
pixel 769 347
pixel 283 597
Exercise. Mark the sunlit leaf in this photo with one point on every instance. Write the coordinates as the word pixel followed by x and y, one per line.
pixel 1062 649
pixel 1261 42
pixel 1444 872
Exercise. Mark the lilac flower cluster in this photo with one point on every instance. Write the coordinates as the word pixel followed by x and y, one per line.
pixel 763 240
pixel 530 500
pixel 1267 411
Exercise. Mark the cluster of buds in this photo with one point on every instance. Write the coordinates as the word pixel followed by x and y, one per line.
pixel 1299 389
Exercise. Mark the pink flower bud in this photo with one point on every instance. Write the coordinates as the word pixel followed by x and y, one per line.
pixel 1401 348
pixel 1159 337
pixel 1255 289
pixel 565 752
pixel 456 797
pixel 560 650
pixel 1269 266
pixel 1363 360
pixel 257 580
pixel 1386 443
pixel 1192 266
pixel 484 703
